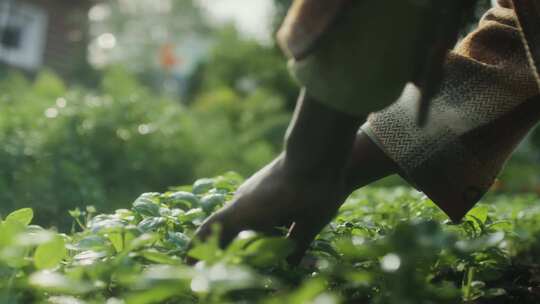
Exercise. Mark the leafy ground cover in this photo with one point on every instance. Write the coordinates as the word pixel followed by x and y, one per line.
pixel 385 246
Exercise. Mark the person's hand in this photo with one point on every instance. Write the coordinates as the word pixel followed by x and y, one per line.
pixel 304 185
pixel 273 198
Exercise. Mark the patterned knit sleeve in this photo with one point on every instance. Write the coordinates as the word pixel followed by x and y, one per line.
pixel 486 105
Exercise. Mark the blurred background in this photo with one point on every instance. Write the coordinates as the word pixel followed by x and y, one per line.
pixel 101 100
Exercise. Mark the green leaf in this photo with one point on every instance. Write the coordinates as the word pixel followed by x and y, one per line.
pixel 209 250
pixel 117 241
pixel 89 257
pixel 268 251
pixel 144 205
pixel 308 292
pixel 480 213
pixel 158 294
pixel 159 257
pixel 50 254
pixel 10 254
pixel 143 240
pixel 211 201
pixel 241 241
pixel 192 216
pixel 23 216
pixel 58 283
pixel 64 300
pixel 186 200
pixel 179 239
pixel 9 231
pixel 92 242
pixel 106 223
pixel 151 224
pixel 229 181
pixel 203 185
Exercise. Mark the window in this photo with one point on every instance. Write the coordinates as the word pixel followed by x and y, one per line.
pixel 23 30
pixel 11 37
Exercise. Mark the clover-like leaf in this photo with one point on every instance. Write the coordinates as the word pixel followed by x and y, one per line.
pixel 23 216
pixel 49 255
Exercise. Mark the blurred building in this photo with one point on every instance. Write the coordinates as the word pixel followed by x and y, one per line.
pixel 38 33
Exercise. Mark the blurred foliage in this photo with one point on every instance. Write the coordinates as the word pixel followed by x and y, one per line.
pixel 243 65
pixel 140 29
pixel 65 147
pixel 243 94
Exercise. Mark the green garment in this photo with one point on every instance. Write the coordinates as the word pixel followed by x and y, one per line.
pixel 363 60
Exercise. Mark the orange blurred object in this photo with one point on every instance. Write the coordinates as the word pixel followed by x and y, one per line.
pixel 167 57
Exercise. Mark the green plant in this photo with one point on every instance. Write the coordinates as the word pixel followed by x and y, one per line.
pixel 67 147
pixel 384 246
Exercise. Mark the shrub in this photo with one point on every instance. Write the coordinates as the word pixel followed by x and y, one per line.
pixel 66 147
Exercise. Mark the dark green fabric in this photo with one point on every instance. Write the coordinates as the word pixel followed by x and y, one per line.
pixel 363 61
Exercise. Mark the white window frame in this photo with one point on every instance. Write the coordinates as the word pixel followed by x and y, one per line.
pixel 32 21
